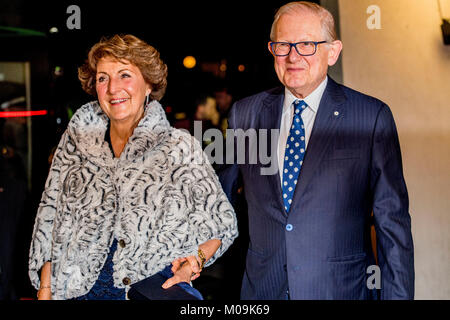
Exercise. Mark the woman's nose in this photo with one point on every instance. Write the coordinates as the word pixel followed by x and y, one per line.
pixel 113 86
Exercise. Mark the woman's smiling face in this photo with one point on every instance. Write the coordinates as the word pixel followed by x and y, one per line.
pixel 121 89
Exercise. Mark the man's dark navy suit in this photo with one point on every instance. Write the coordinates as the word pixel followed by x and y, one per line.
pixel 352 167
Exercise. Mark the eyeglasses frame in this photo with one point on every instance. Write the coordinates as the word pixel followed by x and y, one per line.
pixel 316 43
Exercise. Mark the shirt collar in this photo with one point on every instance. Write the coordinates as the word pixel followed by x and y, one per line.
pixel 312 100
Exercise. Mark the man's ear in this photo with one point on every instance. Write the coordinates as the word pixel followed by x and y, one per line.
pixel 333 53
pixel 269 47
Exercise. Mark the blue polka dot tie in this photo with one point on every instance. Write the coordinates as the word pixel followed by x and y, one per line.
pixel 294 154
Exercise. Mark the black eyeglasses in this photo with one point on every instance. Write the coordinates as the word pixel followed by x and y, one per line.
pixel 303 48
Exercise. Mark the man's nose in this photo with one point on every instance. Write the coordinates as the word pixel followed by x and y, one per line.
pixel 293 55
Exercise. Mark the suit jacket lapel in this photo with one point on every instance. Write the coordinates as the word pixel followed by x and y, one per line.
pixel 270 118
pixel 328 117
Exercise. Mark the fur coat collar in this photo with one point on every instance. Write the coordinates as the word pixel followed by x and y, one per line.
pixel 87 129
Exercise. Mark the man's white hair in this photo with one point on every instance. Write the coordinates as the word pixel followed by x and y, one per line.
pixel 326 18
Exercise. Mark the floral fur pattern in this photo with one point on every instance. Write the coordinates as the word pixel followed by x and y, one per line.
pixel 162 197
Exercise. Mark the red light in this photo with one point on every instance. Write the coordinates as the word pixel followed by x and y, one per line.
pixel 16 114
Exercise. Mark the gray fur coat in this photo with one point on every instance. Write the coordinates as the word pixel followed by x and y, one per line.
pixel 161 197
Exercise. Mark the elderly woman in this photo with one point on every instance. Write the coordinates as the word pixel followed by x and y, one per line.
pixel 127 195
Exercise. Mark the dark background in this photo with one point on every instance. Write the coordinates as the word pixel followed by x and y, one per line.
pixel 231 32
pixel 235 31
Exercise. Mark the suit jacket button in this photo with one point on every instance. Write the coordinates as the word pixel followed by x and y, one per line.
pixel 126 281
pixel 122 243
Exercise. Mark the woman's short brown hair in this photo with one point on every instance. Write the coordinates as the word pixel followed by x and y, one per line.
pixel 132 49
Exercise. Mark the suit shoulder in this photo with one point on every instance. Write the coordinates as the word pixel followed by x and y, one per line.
pixel 257 98
pixel 360 97
pixel 244 112
pixel 364 104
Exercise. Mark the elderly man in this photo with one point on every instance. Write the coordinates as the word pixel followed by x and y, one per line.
pixel 339 161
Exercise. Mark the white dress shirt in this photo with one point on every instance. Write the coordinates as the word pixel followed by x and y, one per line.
pixel 308 116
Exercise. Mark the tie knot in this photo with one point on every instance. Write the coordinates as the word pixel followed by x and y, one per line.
pixel 299 106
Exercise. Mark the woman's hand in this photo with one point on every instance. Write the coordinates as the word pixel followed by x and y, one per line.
pixel 193 261
pixel 45 291
pixel 184 270
pixel 188 269
pixel 44 294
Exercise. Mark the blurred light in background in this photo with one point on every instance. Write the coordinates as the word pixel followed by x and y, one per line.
pixel 53 30
pixel 241 68
pixel 16 114
pixel 180 115
pixel 58 71
pixel 223 67
pixel 189 62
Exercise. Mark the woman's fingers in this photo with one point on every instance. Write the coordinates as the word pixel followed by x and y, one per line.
pixel 192 260
pixel 186 270
pixel 44 294
pixel 194 264
pixel 176 264
pixel 195 276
